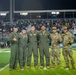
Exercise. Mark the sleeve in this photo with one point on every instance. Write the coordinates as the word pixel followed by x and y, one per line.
pixel 60 38
pixel 27 33
pixel 19 36
pixel 28 37
pixel 71 39
pixel 38 38
pixel 11 38
pixel 49 35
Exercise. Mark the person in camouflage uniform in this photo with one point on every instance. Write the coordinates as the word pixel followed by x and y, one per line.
pixel 32 47
pixel 23 38
pixel 43 37
pixel 14 48
pixel 67 40
pixel 55 47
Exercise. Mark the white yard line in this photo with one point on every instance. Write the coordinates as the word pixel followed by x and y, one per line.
pixel 4 67
pixel 4 51
pixel 7 64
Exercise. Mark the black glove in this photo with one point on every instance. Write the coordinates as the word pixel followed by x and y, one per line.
pixel 70 43
pixel 59 42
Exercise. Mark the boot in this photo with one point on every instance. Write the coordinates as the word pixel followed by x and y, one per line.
pixel 47 66
pixel 53 65
pixel 67 66
pixel 41 66
pixel 58 65
pixel 73 67
pixel 28 66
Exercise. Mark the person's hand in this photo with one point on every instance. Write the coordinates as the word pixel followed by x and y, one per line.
pixel 57 38
pixel 14 39
pixel 62 34
pixel 69 42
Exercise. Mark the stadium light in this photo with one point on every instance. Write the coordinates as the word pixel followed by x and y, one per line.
pixel 55 13
pixel 52 12
pixel 3 14
pixel 39 16
pixel 24 14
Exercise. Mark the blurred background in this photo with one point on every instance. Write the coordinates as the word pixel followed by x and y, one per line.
pixel 57 13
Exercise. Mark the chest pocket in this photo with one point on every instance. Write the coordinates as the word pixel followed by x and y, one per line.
pixel 45 35
pixel 54 41
pixel 66 38
pixel 16 36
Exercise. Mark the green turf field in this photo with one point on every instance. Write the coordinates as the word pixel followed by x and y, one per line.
pixel 4 57
pixel 4 60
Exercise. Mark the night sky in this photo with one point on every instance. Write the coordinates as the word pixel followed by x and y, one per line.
pixel 38 4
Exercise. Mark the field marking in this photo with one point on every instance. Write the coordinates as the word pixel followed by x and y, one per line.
pixel 4 67
pixel 4 51
pixel 74 51
pixel 8 64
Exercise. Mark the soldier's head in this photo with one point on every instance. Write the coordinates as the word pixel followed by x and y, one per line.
pixel 24 30
pixel 65 29
pixel 43 27
pixel 54 29
pixel 32 28
pixel 15 28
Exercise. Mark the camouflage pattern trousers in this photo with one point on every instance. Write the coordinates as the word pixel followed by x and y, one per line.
pixel 67 53
pixel 55 55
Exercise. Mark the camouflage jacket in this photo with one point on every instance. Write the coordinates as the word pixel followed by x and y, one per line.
pixel 55 43
pixel 67 40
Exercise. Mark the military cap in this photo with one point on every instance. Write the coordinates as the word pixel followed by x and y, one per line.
pixel 65 28
pixel 32 25
pixel 15 26
pixel 23 28
pixel 43 25
pixel 54 28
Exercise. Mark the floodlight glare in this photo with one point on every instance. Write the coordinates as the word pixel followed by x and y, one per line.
pixel 55 13
pixel 23 13
pixel 3 14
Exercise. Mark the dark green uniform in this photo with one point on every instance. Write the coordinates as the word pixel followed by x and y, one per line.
pixel 22 49
pixel 14 50
pixel 32 47
pixel 44 47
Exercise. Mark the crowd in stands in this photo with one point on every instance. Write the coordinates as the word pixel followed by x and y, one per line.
pixel 6 27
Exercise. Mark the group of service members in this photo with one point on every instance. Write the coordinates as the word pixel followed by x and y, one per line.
pixel 37 44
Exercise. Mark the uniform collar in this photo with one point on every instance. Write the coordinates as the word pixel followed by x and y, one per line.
pixel 44 31
pixel 15 33
pixel 55 33
pixel 32 32
pixel 22 34
pixel 67 33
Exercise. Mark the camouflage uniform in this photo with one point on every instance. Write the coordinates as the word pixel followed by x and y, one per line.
pixel 67 48
pixel 55 47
